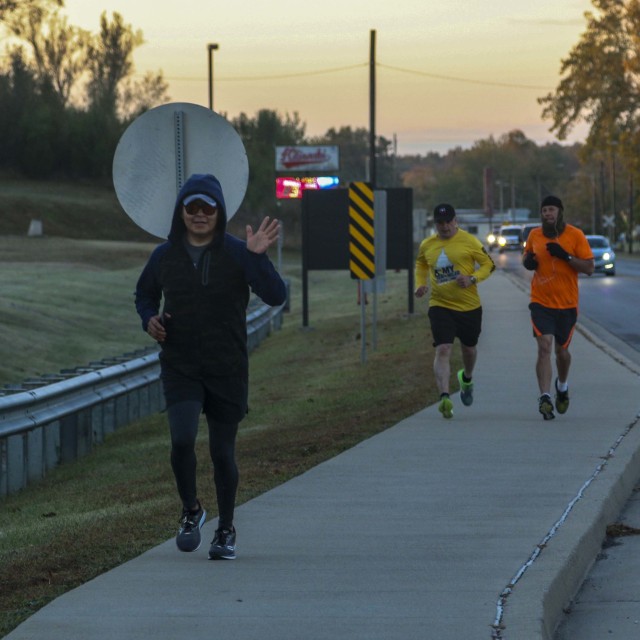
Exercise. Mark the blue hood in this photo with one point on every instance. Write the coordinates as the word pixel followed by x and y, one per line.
pixel 198 183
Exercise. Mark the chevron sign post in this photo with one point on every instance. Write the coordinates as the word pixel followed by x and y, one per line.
pixel 361 233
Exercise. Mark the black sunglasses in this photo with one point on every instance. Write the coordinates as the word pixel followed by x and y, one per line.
pixel 200 205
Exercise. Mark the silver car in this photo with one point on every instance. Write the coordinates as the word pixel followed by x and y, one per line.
pixel 604 255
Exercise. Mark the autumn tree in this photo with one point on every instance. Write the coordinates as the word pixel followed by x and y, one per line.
pixel 600 85
pixel 599 78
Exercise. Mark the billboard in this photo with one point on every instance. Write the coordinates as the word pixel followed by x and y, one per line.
pixel 323 158
pixel 293 187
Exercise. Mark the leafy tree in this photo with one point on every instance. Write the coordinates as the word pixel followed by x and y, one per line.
pixel 600 76
pixel 600 85
pixel 260 136
pixel 354 147
pixel 55 119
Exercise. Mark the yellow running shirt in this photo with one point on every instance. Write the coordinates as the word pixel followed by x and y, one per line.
pixel 443 260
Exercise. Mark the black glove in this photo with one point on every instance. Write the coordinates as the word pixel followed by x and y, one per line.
pixel 557 251
pixel 529 261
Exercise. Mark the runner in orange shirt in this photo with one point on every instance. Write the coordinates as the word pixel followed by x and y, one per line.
pixel 556 252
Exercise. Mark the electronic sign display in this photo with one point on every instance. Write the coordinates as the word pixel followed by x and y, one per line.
pixel 290 187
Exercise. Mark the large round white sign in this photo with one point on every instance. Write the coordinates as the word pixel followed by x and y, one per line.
pixel 164 146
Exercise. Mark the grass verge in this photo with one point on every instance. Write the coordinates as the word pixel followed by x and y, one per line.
pixel 311 397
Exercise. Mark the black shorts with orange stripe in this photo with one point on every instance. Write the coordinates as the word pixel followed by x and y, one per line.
pixel 559 323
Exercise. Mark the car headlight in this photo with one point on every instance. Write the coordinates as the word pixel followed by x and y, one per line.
pixel 606 256
pixel 491 238
pixel 502 242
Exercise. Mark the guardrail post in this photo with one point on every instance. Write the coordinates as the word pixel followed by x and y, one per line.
pixel 16 472
pixel 85 432
pixel 3 467
pixel 68 438
pixel 122 411
pixel 35 454
pixel 133 402
pixel 108 416
pixel 51 445
pixel 97 423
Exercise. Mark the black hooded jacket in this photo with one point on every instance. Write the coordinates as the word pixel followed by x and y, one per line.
pixel 207 332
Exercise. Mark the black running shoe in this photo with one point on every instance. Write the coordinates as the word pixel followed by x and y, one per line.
pixel 188 538
pixel 223 545
pixel 545 407
pixel 562 399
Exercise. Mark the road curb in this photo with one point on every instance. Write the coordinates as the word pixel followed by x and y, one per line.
pixel 538 604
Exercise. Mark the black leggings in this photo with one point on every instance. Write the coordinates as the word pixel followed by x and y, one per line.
pixel 183 425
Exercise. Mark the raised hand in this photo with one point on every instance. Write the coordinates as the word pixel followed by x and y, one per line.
pixel 264 237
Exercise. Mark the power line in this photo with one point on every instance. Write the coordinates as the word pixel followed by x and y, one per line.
pixel 466 80
pixel 302 74
pixel 305 74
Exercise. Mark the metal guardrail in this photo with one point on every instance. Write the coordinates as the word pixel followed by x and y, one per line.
pixel 58 422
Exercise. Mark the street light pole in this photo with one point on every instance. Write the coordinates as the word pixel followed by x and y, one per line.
pixel 500 184
pixel 211 48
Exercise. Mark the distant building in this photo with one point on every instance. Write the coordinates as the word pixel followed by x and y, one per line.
pixel 474 221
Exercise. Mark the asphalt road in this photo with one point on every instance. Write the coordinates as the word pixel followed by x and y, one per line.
pixel 609 305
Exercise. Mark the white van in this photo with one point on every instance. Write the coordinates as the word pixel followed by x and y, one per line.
pixel 510 238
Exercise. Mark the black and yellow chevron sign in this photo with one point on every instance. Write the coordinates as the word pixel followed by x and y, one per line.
pixel 361 235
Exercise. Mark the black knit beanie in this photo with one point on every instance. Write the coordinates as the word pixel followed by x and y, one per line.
pixel 553 231
pixel 552 201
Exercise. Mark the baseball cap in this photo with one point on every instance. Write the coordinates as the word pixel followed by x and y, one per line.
pixel 200 196
pixel 444 213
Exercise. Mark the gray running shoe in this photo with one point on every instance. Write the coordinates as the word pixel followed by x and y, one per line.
pixel 466 390
pixel 223 545
pixel 189 538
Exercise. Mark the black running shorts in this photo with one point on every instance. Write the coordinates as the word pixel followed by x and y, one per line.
pixel 223 398
pixel 558 323
pixel 447 325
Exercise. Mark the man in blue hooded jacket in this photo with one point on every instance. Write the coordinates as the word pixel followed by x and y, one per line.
pixel 204 276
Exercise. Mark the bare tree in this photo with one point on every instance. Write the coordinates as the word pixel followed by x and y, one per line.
pixel 7 7
pixel 58 49
pixel 109 60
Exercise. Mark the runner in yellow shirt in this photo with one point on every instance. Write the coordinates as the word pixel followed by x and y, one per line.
pixel 454 262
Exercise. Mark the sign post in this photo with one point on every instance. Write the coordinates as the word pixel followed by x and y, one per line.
pixel 361 245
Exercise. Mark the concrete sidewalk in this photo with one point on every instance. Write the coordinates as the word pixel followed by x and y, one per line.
pixel 477 527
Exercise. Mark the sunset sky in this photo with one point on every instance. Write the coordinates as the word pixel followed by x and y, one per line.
pixel 449 73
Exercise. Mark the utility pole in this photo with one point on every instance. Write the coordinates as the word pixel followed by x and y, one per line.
pixel 372 108
pixel 211 48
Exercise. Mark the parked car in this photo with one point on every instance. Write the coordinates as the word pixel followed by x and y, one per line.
pixel 526 230
pixel 510 238
pixel 604 255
